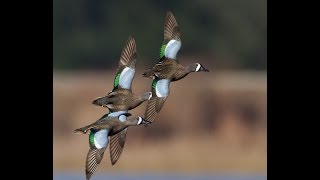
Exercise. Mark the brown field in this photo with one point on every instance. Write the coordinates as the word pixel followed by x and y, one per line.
pixel 213 122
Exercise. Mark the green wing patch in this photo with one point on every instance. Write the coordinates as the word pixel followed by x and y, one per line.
pixel 154 83
pixel 116 80
pixel 91 137
pixel 163 47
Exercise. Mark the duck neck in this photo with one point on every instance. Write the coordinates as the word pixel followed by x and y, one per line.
pixel 133 121
pixel 191 68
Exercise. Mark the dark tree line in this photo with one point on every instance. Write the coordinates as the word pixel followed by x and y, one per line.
pixel 91 33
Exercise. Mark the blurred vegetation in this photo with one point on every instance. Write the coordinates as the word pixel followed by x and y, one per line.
pixel 91 33
pixel 219 125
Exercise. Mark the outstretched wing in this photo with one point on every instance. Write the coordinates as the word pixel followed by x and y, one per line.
pixel 94 158
pixel 172 42
pixel 98 142
pixel 160 92
pixel 171 28
pixel 118 140
pixel 153 108
pixel 116 145
pixel 127 63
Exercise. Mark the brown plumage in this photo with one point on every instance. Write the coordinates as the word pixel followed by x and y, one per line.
pixel 112 126
pixel 93 159
pixel 121 100
pixel 168 68
pixel 116 146
pixel 171 28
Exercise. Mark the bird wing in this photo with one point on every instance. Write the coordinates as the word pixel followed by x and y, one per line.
pixel 171 28
pixel 126 69
pixel 172 42
pixel 116 145
pixel 153 108
pixel 94 158
pixel 160 92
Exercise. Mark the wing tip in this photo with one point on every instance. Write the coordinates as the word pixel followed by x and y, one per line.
pixel 132 39
pixel 129 52
pixel 113 162
pixel 171 27
pixel 169 12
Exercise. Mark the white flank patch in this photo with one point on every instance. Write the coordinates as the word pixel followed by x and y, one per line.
pixel 122 118
pixel 172 49
pixel 140 120
pixel 126 77
pixel 101 138
pixel 198 67
pixel 116 114
pixel 162 88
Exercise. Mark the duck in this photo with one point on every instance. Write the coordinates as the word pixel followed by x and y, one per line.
pixel 167 69
pixel 121 98
pixel 109 125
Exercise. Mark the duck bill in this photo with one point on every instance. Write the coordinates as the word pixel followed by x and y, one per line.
pixel 204 69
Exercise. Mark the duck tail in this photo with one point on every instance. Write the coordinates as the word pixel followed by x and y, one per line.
pixel 103 101
pixel 82 130
pixel 148 73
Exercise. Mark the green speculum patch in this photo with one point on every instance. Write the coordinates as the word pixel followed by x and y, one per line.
pixel 162 49
pixel 91 136
pixel 116 80
pixel 154 83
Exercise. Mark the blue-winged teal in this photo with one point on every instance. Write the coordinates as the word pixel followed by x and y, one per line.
pixel 121 97
pixel 168 68
pixel 109 125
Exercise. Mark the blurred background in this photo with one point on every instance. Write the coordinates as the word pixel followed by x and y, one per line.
pixel 212 125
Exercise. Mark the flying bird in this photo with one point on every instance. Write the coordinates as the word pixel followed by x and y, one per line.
pixel 108 125
pixel 121 99
pixel 167 69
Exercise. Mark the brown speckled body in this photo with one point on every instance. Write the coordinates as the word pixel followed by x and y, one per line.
pixel 113 124
pixel 126 100
pixel 168 69
pixel 121 97
pixel 117 133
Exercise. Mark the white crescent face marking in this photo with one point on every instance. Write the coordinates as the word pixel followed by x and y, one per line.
pixel 101 138
pixel 150 95
pixel 122 118
pixel 116 114
pixel 126 77
pixel 110 106
pixel 162 88
pixel 140 120
pixel 198 67
pixel 172 49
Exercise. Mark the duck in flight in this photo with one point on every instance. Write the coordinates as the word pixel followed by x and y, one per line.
pixel 100 131
pixel 121 99
pixel 168 68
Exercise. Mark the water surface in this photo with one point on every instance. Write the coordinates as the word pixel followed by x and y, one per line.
pixel 156 176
